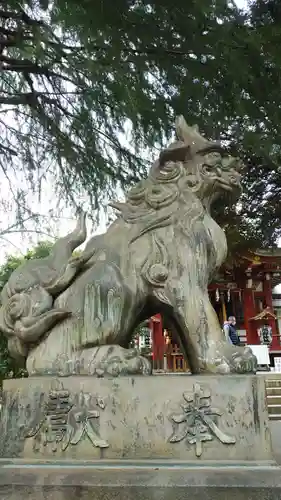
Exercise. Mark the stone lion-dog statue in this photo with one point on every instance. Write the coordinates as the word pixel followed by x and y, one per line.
pixel 77 315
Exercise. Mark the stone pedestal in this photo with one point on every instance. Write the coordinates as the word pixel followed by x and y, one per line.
pixel 163 436
pixel 176 417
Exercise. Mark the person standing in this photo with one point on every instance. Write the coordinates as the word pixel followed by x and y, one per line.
pixel 168 350
pixel 230 331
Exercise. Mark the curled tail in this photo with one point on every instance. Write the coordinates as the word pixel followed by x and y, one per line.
pixel 64 247
pixel 26 317
pixel 27 311
pixel 47 271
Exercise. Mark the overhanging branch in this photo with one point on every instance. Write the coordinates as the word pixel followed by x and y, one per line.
pixel 7 150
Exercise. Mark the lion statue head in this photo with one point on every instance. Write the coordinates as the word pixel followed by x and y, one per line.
pixel 190 169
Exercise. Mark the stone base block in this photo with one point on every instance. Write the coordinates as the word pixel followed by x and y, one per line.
pixel 174 417
pixel 137 482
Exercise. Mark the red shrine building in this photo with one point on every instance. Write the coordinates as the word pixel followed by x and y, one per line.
pixel 245 290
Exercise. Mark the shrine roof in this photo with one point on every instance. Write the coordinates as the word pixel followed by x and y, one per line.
pixel 272 252
pixel 271 257
pixel 266 313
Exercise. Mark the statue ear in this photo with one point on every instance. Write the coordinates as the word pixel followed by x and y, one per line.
pixel 181 154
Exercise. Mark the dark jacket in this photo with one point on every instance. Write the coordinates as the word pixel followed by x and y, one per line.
pixel 232 332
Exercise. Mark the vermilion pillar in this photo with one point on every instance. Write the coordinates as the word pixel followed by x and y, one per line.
pixel 249 312
pixel 156 327
pixel 267 288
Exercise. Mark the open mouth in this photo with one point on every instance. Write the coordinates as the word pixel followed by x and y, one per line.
pixel 226 185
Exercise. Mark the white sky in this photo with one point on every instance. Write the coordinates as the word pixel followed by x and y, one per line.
pixel 243 4
pixel 59 224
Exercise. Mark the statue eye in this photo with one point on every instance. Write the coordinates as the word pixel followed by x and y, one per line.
pixel 208 170
pixel 216 156
pixel 212 158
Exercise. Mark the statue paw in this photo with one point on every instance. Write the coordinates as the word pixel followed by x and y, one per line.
pixel 244 360
pixel 114 361
pixel 231 359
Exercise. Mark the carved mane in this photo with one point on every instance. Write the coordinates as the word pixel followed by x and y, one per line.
pixel 173 183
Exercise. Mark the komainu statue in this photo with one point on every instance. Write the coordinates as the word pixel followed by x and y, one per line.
pixel 67 315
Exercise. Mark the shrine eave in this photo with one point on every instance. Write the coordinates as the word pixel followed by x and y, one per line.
pixel 270 258
pixel 265 314
pixel 273 252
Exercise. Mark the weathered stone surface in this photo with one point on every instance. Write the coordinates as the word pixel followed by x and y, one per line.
pixel 62 313
pixel 119 481
pixel 177 417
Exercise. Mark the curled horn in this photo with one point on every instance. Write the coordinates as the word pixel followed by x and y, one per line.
pixel 181 127
pixel 184 132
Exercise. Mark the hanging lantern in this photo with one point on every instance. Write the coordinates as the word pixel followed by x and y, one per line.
pixel 217 295
pixel 265 334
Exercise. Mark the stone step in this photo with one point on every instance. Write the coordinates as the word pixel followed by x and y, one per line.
pixel 273 394
pixel 273 400
pixel 273 397
pixel 273 390
pixel 274 409
pixel 270 383
pixel 274 416
pixel 276 388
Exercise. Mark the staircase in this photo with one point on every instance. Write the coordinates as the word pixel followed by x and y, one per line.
pixel 273 396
